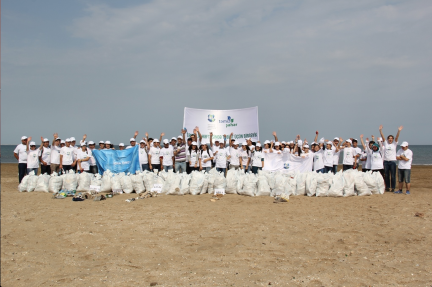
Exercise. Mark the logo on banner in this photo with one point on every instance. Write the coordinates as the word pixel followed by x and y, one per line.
pixel 229 122
pixel 211 118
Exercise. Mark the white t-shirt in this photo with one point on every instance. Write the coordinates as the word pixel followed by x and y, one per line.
pixel 318 160
pixel 193 157
pixel 33 158
pixel 235 154
pixel 328 157
pixel 167 156
pixel 68 154
pixel 245 155
pixel 221 157
pixel 155 154
pixel 21 151
pixel 85 165
pixel 257 158
pixel 357 151
pixel 92 160
pixel 143 156
pixel 363 159
pixel 409 155
pixel 336 156
pixel 377 160
pixel 46 155
pixel 390 150
pixel 205 155
pixel 55 154
pixel 348 156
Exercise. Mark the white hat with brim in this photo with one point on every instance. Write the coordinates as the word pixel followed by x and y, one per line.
pixel 62 142
pixel 258 144
pixel 91 142
pixel 67 140
pixel 179 137
pixel 142 141
pixel 72 139
pixel 46 140
pixel 155 140
pixel 349 141
pixel 83 144
pixel 336 139
pixel 23 138
pixel 236 143
pixel 32 143
pixel 101 142
pixel 173 139
pixel 404 144
pixel 121 144
pixel 306 146
pixel 266 142
pixel 107 142
pixel 132 140
pixel 194 143
pixel 329 142
pixel 165 141
pixel 277 144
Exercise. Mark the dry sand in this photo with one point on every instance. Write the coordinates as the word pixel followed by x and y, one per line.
pixel 236 241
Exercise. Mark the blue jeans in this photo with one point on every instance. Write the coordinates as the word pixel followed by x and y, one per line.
pixel 180 166
pixel 145 166
pixel 22 171
pixel 167 167
pixel 404 175
pixel 320 170
pixel 328 168
pixel 220 169
pixel 32 169
pixel 255 169
pixel 335 168
pixel 390 170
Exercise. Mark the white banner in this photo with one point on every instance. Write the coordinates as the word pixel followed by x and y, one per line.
pixel 243 123
pixel 287 162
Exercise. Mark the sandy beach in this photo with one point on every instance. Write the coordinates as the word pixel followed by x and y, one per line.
pixel 236 241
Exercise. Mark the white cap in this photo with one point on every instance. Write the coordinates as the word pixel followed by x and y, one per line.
pixel 203 142
pixel 62 141
pixel 267 142
pixel 91 142
pixel 121 144
pixel 165 141
pixel 306 146
pixel 83 144
pixel 336 139
pixel 132 140
pixel 107 142
pixel 217 140
pixel 155 140
pixel 142 141
pixel 173 138
pixel 67 140
pixel 291 142
pixel 321 140
pixel 330 143
pixel 72 139
pixel 258 144
pixel 236 142
pixel 349 141
pixel 194 143
pixel 404 144
pixel 283 142
pixel 58 139
pixel 46 140
pixel 32 143
pixel 180 137
pixel 23 138
pixel 277 144
pixel 101 142
pixel 313 143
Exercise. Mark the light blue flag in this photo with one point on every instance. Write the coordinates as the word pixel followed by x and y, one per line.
pixel 116 161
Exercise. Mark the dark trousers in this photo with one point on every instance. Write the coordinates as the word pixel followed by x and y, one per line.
pixel 328 168
pixel 188 169
pixel 194 168
pixel 22 171
pixel 66 168
pixel 93 169
pixel 365 169
pixel 347 167
pixel 45 169
pixel 156 166
pixel 335 168
pixel 390 171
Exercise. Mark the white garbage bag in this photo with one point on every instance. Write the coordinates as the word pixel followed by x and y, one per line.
pixel 126 184
pixel 279 184
pixel 116 182
pixel 31 181
pixel 95 181
pixel 205 184
pixel 263 186
pixel 311 183
pixel 369 179
pixel 84 181
pixel 137 182
pixel 184 183
pixel 379 180
pixel 323 184
pixel 175 185
pixel 301 183
pixel 55 183
pixel 168 178
pixel 240 180
pixel 106 182
pixel 348 177
pixel 219 181
pixel 42 183
pixel 231 182
pixel 360 186
pixel 249 185
pixel 196 182
pixel 22 187
pixel 337 185
pixel 148 179
pixel 70 181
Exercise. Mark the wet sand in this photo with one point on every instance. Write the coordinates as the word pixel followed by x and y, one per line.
pixel 236 241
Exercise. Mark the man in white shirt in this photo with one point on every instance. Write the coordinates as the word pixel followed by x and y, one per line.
pixel 336 142
pixel 55 154
pixel 154 156
pixel 132 141
pixel 121 146
pixel 404 156
pixel 234 151
pixel 92 161
pixel 20 153
pixel 143 155
pixel 390 146
pixel 67 156
pixel 167 155
pixel 45 157
pixel 348 155
pixel 357 152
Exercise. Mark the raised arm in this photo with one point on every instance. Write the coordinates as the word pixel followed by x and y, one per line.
pixel 147 141
pixel 398 133
pixel 83 138
pixel 160 138
pixel 224 140
pixel 55 138
pixel 316 136
pixel 381 132
pixel 362 142
pixel 28 142
pixel 211 139
pixel 230 144
pixel 275 136
pixel 41 146
pixel 199 134
pixel 135 134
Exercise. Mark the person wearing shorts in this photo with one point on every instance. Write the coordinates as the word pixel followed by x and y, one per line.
pixel 404 156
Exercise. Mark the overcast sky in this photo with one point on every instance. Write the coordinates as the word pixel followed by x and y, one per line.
pixel 112 67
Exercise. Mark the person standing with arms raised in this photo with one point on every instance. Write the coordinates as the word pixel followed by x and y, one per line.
pixel 390 146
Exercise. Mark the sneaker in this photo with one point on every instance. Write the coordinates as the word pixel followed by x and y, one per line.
pixel 392 190
pixel 387 189
pixel 407 192
pixel 398 192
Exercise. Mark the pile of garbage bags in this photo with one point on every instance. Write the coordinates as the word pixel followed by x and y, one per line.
pixel 265 183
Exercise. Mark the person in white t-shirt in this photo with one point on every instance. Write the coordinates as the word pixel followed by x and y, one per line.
pixel 235 155
pixel 154 156
pixel 45 157
pixel 357 152
pixel 221 156
pixel 83 158
pixel 20 153
pixel 33 156
pixel 206 157
pixel 67 156
pixel 101 145
pixel 404 156
pixel 167 155
pixel 348 155
pixel 193 157
pixel 215 147
pixel 390 146
pixel 92 161
pixel 328 156
pixel 55 154
pixel 245 157
pixel 121 146
pixel 132 141
pixel 376 155
pixel 257 159
pixel 336 143
pixel 143 155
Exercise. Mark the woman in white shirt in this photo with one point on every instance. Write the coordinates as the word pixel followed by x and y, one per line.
pixel 318 163
pixel 245 157
pixel 83 157
pixel 389 147
pixel 348 155
pixel 33 156
pixel 206 157
pixel 376 156
pixel 143 155
pixel 55 154
pixel 257 159
pixel 193 156
pixel 328 156
pixel 222 155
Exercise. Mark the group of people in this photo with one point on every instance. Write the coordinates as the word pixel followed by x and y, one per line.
pixel 196 153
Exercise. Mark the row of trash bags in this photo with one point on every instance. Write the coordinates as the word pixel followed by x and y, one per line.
pixel 347 183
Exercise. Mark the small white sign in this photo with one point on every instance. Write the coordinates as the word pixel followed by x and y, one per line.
pixel 219 191
pixel 157 187
pixel 95 188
